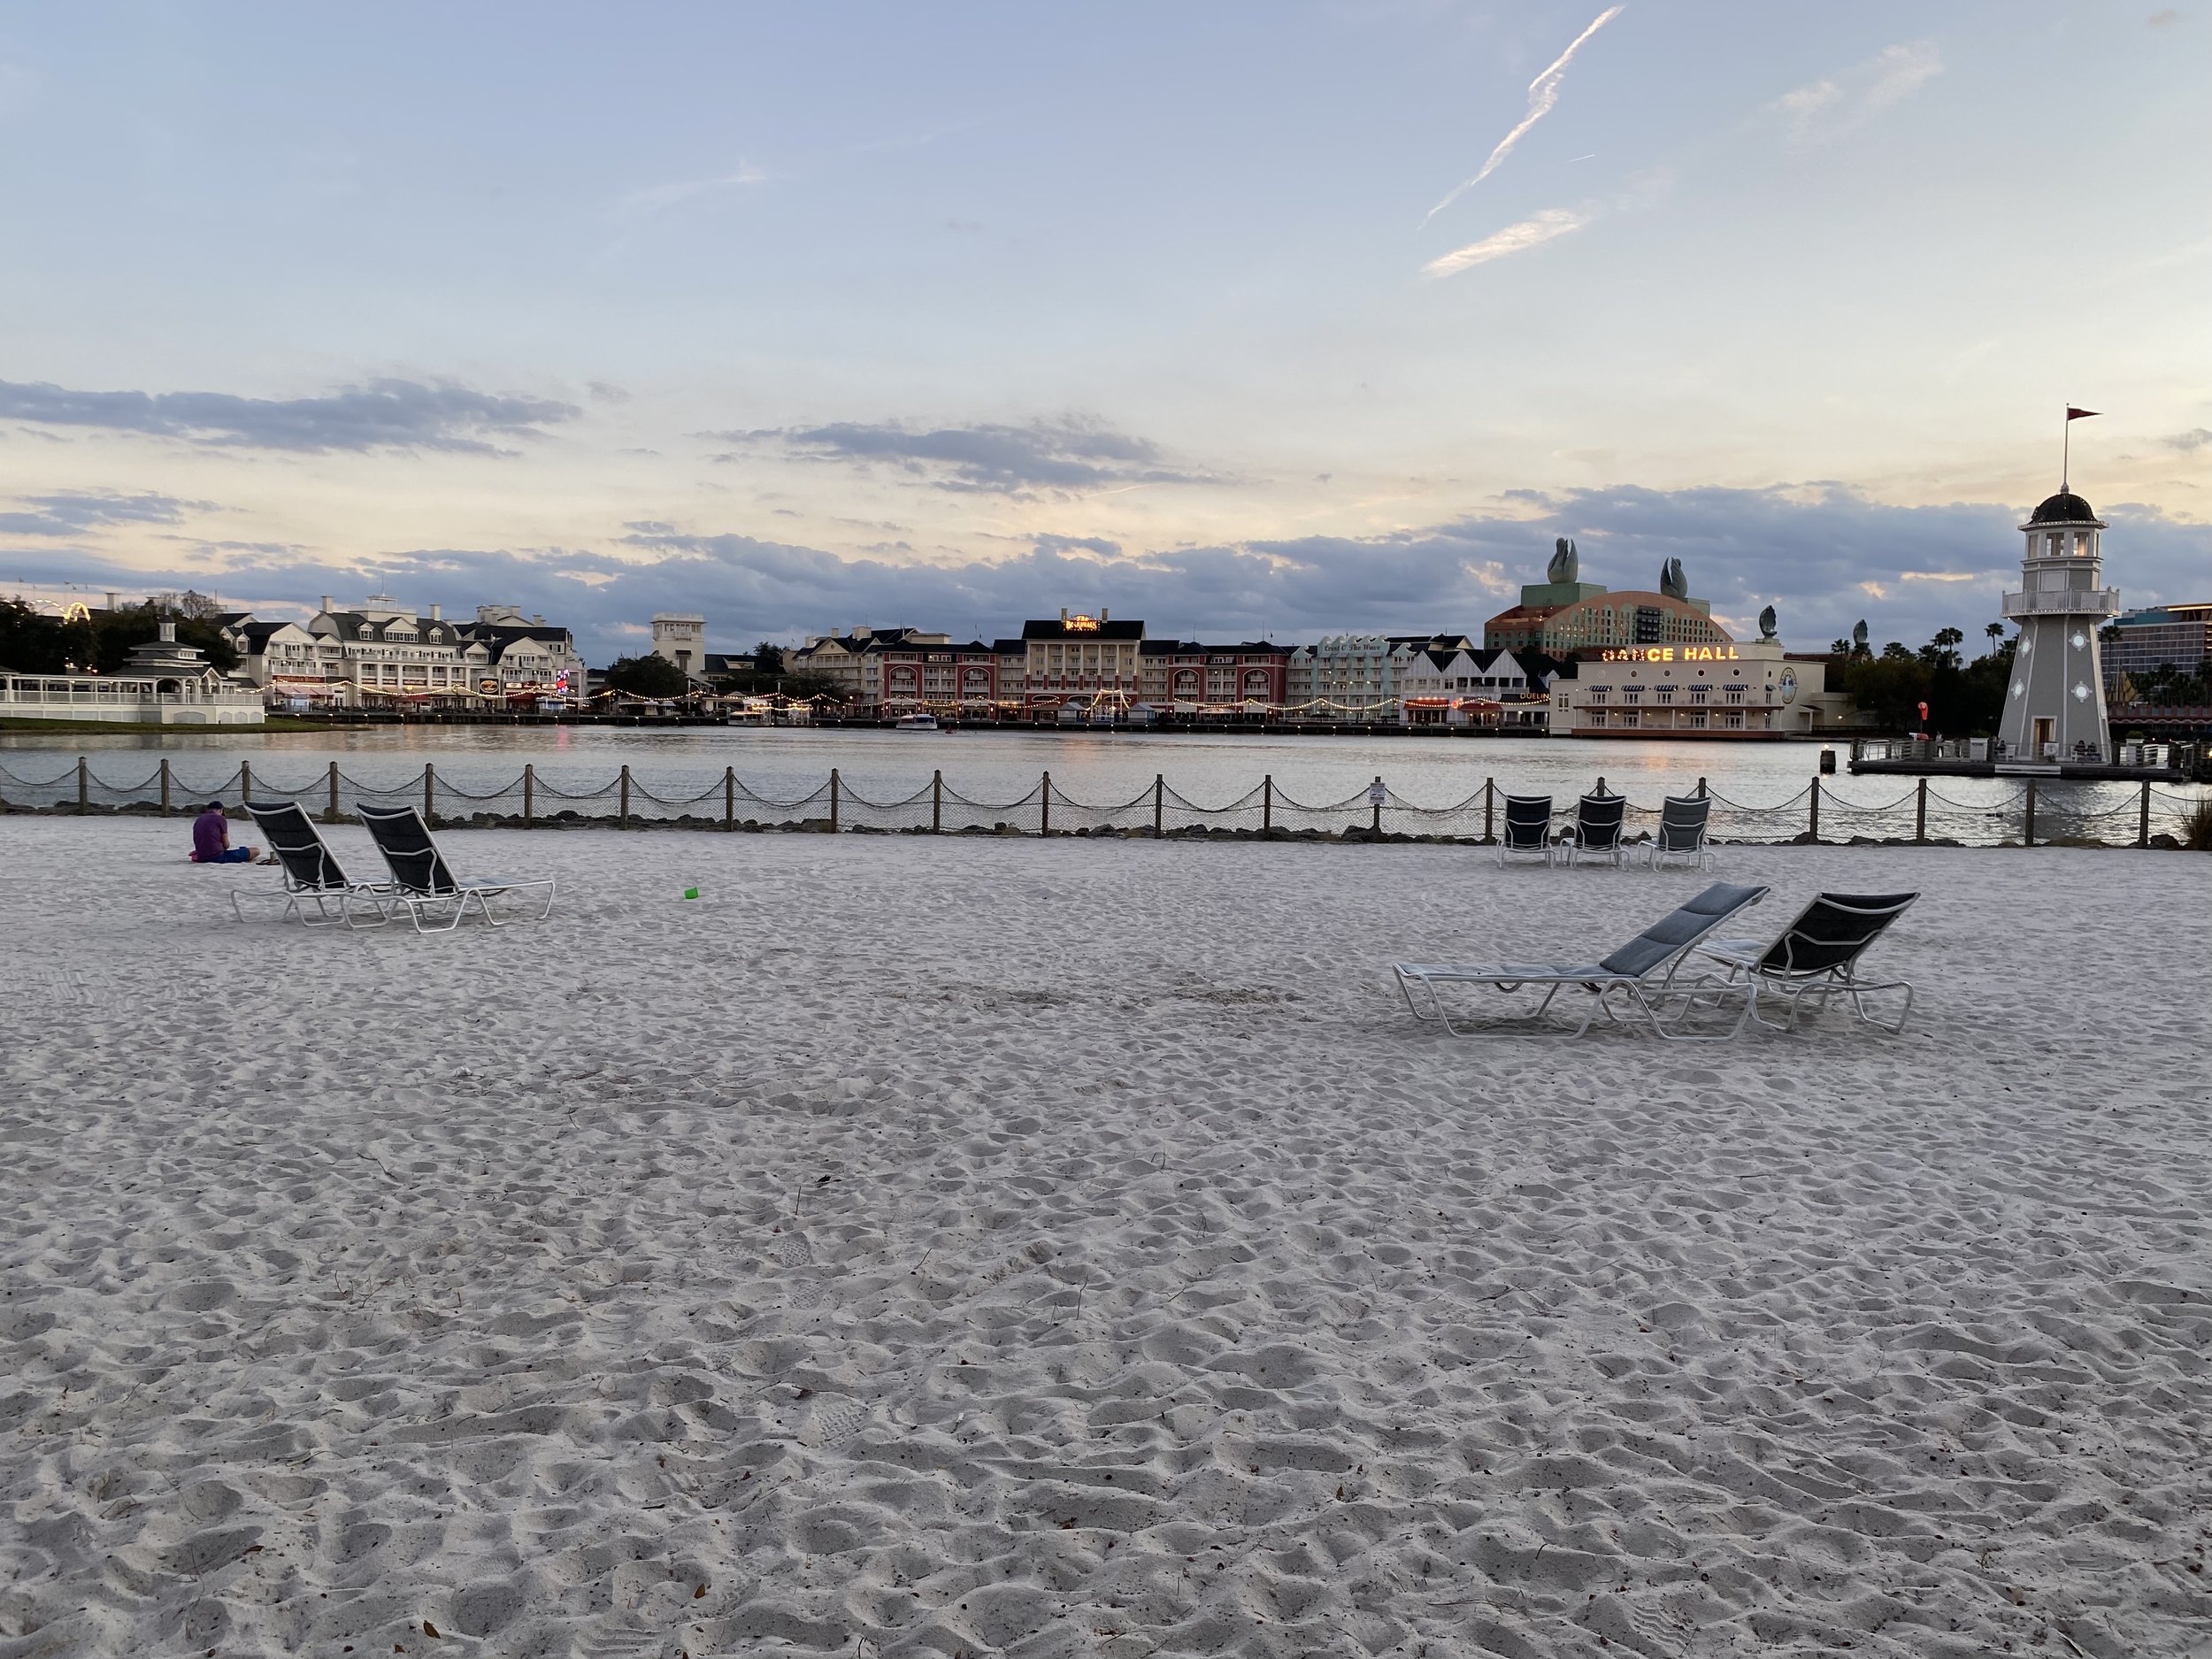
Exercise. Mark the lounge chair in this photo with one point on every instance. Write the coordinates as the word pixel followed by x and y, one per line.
pixel 1527 828
pixel 1683 819
pixel 1596 831
pixel 1817 956
pixel 312 875
pixel 422 882
pixel 1639 978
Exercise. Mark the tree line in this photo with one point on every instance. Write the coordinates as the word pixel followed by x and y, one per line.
pixel 100 642
pixel 765 672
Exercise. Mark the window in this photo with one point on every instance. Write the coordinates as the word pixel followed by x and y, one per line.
pixel 1735 694
pixel 1628 717
pixel 1666 693
pixel 1697 720
pixel 1597 696
pixel 1697 693
pixel 1732 719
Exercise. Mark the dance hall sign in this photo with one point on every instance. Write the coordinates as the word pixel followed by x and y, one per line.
pixel 1671 654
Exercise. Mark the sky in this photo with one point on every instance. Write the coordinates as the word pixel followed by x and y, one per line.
pixel 1246 320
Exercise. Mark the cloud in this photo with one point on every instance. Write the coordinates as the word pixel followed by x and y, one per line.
pixel 1831 106
pixel 1806 548
pixel 1530 233
pixel 73 512
pixel 2188 442
pixel 1543 92
pixel 1944 576
pixel 1063 458
pixel 384 414
pixel 659 198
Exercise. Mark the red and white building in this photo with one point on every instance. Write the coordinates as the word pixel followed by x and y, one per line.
pixel 936 674
pixel 1185 675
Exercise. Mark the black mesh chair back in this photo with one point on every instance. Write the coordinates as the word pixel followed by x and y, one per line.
pixel 404 839
pixel 293 838
pixel 1527 822
pixel 1598 819
pixel 1833 932
pixel 1675 932
pixel 1682 821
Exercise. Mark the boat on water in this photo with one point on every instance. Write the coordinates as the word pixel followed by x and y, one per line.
pixel 915 723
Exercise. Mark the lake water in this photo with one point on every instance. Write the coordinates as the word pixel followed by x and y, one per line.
pixel 1100 769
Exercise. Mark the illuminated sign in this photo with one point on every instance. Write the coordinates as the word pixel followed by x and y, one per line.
pixel 1082 625
pixel 1671 654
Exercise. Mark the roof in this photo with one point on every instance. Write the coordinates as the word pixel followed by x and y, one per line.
pixel 1053 628
pixel 354 624
pixel 1432 642
pixel 925 648
pixel 2063 507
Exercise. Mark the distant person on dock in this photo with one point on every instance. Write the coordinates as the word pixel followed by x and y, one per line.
pixel 211 839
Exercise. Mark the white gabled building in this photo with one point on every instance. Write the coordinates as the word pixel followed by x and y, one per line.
pixel 384 652
pixel 1346 677
pixel 1463 687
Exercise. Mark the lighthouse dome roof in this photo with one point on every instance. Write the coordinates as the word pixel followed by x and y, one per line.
pixel 2064 508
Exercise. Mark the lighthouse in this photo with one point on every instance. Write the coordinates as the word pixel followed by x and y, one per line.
pixel 2055 708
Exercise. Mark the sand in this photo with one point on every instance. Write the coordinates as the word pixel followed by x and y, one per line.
pixel 951 1247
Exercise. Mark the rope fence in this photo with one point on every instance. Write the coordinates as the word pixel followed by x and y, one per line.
pixel 2033 813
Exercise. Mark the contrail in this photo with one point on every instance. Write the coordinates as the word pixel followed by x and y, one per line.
pixel 1543 92
pixel 1553 222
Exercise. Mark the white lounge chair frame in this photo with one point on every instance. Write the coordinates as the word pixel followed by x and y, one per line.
pixel 1817 958
pixel 311 874
pixel 1526 836
pixel 1638 985
pixel 422 882
pixel 1685 822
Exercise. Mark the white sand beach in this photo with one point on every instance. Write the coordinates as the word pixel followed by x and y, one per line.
pixel 955 1246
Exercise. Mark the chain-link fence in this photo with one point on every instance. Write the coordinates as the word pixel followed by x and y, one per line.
pixel 2026 813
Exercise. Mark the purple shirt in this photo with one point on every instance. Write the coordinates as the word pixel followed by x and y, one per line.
pixel 209 833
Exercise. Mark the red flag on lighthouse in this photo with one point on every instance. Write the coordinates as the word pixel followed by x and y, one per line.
pixel 2075 414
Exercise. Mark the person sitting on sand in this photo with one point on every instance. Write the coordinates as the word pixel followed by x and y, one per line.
pixel 211 839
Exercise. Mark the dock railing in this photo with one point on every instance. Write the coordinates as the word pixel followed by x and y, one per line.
pixel 1923 813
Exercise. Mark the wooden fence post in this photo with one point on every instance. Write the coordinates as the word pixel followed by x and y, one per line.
pixel 165 786
pixel 622 818
pixel 529 792
pixel 1920 815
pixel 429 795
pixel 245 783
pixel 84 787
pixel 1701 788
pixel 1044 806
pixel 1159 804
pixel 2030 840
pixel 1267 803
pixel 729 797
pixel 936 803
pixel 1489 809
pixel 833 800
pixel 333 792
pixel 2143 817
pixel 1815 808
pixel 1377 793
